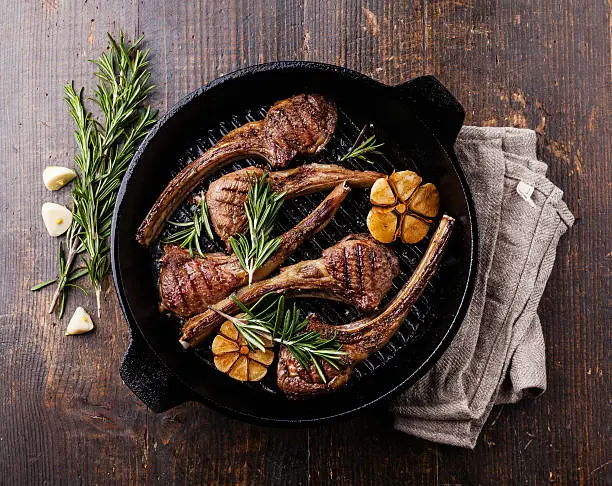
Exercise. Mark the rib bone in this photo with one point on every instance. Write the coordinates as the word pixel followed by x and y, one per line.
pixel 188 285
pixel 300 125
pixel 357 270
pixel 361 338
pixel 227 195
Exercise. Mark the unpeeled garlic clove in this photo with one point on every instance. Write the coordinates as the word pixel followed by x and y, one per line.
pixel 57 218
pixel 404 183
pixel 56 177
pixel 80 323
pixel 413 229
pixel 381 193
pixel 382 224
pixel 426 201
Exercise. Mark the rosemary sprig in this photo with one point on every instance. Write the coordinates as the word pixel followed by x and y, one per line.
pixel 72 277
pixel 188 234
pixel 261 208
pixel 360 150
pixel 104 150
pixel 286 327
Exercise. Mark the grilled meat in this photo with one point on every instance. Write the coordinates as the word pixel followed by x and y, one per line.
pixel 300 125
pixel 357 270
pixel 227 195
pixel 187 285
pixel 361 338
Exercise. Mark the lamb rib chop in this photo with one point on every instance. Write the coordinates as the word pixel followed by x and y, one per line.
pixel 357 270
pixel 188 285
pixel 301 125
pixel 361 338
pixel 227 195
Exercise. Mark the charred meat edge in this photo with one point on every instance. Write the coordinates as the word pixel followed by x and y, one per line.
pixel 361 338
pixel 186 282
pixel 301 125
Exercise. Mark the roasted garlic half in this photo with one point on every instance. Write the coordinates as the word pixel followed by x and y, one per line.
pixel 402 207
pixel 233 356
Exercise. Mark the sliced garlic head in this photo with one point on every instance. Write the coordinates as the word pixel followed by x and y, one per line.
pixel 412 210
pixel 233 357
pixel 57 218
pixel 56 177
pixel 80 323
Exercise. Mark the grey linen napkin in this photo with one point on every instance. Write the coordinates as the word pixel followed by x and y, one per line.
pixel 498 354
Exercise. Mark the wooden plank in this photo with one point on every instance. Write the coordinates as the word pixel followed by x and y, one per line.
pixel 383 40
pixel 67 418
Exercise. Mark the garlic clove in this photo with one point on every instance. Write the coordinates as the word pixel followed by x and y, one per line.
pixel 256 371
pixel 240 369
pixel 382 224
pixel 229 330
pixel 57 218
pixel 224 362
pixel 404 183
pixel 80 323
pixel 222 345
pixel 426 201
pixel 413 229
pixel 381 193
pixel 56 177
pixel 264 357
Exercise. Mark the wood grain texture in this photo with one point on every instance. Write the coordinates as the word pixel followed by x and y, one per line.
pixel 66 417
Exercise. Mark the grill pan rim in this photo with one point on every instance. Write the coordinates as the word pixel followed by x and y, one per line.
pixel 444 342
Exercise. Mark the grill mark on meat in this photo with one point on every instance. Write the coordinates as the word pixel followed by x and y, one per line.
pixel 231 191
pixel 321 278
pixel 347 273
pixel 372 265
pixel 361 338
pixel 204 281
pixel 275 141
pixel 359 264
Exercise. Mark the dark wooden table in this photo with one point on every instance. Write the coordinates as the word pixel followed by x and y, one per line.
pixel 66 417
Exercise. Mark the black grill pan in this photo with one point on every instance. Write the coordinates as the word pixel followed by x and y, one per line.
pixel 418 121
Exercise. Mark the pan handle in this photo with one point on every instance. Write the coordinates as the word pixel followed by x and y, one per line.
pixel 143 373
pixel 435 105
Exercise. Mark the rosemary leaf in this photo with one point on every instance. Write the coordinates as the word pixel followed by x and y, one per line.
pixel 188 236
pixel 77 287
pixel 77 274
pixel 42 285
pixel 362 150
pixel 261 209
pixel 206 220
pixel 62 307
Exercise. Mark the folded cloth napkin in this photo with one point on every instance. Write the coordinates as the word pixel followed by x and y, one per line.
pixel 498 353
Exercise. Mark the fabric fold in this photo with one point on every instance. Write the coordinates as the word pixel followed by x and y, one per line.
pixel 498 355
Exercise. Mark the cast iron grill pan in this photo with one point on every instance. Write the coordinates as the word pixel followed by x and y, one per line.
pixel 424 332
